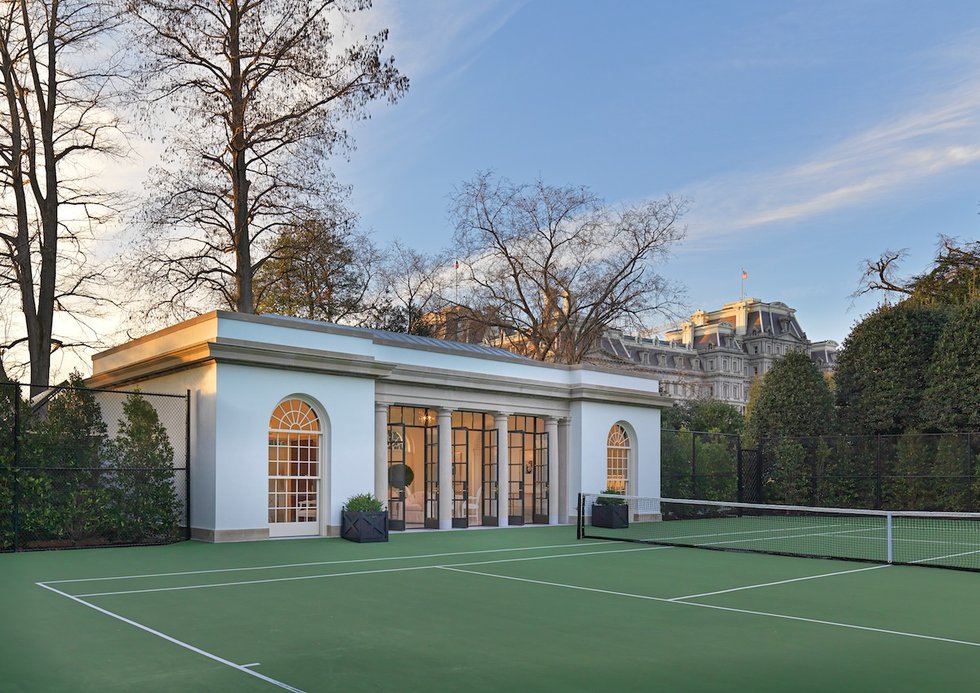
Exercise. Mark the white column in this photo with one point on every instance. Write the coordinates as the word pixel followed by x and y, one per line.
pixel 503 469
pixel 551 428
pixel 563 494
pixel 445 469
pixel 381 452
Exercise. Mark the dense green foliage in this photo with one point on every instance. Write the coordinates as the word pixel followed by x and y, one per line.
pixel 68 499
pixel 363 502
pixel 144 501
pixel 882 369
pixel 77 486
pixel 602 500
pixel 952 397
pixel 707 415
pixel 793 400
pixel 8 395
pixel 698 465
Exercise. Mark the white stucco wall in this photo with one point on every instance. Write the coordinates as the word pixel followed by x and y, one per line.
pixel 247 396
pixel 251 368
pixel 590 426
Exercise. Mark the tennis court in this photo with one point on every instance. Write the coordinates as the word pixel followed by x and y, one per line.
pixel 481 610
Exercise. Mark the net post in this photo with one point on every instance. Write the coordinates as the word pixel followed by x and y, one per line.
pixel 888 533
pixel 578 517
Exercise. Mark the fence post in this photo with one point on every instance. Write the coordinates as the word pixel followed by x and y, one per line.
pixel 15 481
pixel 759 461
pixel 878 493
pixel 694 464
pixel 739 472
pixel 968 463
pixel 187 464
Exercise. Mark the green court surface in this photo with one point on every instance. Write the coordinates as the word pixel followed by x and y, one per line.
pixel 479 610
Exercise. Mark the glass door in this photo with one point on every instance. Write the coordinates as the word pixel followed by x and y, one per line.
pixel 539 482
pixel 398 477
pixel 489 500
pixel 431 477
pixel 515 481
pixel 461 468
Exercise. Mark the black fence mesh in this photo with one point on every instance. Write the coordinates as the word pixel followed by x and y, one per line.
pixel 914 471
pixel 81 467
pixel 699 465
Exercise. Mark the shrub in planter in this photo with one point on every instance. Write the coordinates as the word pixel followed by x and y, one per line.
pixel 364 519
pixel 611 513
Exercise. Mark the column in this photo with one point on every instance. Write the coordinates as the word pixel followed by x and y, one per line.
pixel 563 485
pixel 381 452
pixel 445 468
pixel 503 468
pixel 551 428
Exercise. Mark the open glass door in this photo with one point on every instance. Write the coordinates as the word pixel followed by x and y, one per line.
pixel 398 477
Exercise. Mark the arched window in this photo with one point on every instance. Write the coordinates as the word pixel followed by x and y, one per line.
pixel 294 469
pixel 618 459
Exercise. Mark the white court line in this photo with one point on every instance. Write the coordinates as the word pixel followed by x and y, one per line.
pixel 175 641
pixel 778 582
pixel 300 565
pixel 716 607
pixel 950 555
pixel 406 558
pixel 364 572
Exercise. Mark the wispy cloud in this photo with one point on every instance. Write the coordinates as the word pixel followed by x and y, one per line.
pixel 884 159
pixel 425 37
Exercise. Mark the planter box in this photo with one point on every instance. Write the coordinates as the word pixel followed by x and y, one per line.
pixel 611 516
pixel 364 526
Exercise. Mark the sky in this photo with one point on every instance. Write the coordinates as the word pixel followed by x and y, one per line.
pixel 806 136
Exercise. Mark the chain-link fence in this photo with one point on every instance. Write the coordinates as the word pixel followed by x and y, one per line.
pixel 913 471
pixel 699 465
pixel 82 467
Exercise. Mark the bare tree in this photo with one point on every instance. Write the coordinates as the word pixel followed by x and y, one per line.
pixel 319 269
pixel 259 90
pixel 411 286
pixel 550 268
pixel 56 89
pixel 954 277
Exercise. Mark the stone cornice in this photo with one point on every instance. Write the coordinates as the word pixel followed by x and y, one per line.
pixel 263 355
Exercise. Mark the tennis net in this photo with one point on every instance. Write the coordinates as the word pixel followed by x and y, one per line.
pixel 947 540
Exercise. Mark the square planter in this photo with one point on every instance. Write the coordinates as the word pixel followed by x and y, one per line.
pixel 611 516
pixel 364 526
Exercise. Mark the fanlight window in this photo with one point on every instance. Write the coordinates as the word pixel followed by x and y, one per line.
pixel 617 459
pixel 294 463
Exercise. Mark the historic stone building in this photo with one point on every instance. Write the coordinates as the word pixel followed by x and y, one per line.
pixel 716 354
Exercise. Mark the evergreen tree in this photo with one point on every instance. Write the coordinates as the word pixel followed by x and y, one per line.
pixel 952 398
pixel 793 400
pixel 146 507
pixel 64 497
pixel 882 368
pixel 8 395
pixel 708 415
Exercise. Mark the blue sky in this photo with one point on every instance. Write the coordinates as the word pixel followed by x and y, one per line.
pixel 807 136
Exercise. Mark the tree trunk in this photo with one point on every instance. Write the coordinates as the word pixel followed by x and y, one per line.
pixel 239 169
